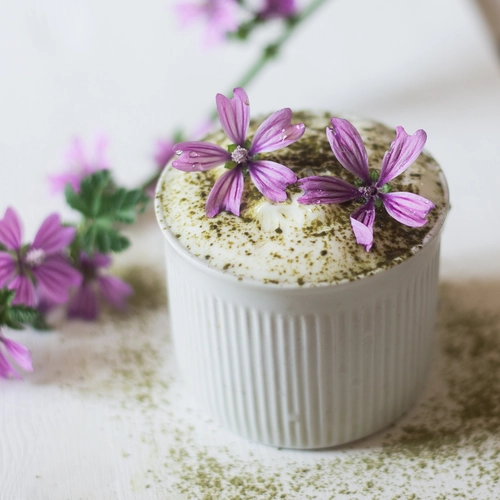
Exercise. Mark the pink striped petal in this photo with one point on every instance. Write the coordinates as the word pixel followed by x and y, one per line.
pixel 276 132
pixel 84 304
pixel 198 156
pixel 271 179
pixel 234 115
pixel 115 291
pixel 348 147
pixel 18 353
pixel 362 221
pixel 52 236
pixel 404 150
pixel 6 369
pixel 7 268
pixel 226 193
pixel 408 208
pixel 55 276
pixel 25 291
pixel 10 230
pixel 326 189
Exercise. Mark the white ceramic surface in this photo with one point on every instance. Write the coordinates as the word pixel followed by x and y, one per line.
pixel 303 367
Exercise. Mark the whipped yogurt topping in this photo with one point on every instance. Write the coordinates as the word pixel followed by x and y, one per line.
pixel 291 243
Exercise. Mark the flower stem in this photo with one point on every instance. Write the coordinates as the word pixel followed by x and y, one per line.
pixel 268 54
pixel 272 50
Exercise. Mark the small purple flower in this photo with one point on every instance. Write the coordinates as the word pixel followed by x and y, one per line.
pixel 85 302
pixel 39 266
pixel 269 177
pixel 18 353
pixel 408 208
pixel 80 164
pixel 278 9
pixel 220 15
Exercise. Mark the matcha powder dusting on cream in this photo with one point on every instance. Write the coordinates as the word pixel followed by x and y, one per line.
pixel 292 243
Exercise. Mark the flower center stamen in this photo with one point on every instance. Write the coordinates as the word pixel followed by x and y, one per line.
pixel 368 192
pixel 35 257
pixel 239 155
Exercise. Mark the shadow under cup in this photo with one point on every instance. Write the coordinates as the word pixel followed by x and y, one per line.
pixel 303 367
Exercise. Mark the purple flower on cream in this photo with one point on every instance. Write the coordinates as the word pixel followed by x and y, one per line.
pixel 408 208
pixel 269 177
pixel 17 353
pixel 39 266
pixel 85 302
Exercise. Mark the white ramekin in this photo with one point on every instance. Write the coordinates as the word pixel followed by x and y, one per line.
pixel 300 367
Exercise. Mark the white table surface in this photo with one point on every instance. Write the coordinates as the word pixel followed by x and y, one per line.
pixel 105 414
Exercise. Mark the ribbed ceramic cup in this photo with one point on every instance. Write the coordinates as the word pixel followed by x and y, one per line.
pixel 301 367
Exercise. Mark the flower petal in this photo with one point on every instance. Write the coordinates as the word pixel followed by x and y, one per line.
pixel 348 147
pixel 6 369
pixel 276 132
pixel 196 156
pixel 408 208
pixel 271 179
pixel 7 268
pixel 234 115
pixel 222 19
pixel 18 353
pixel 84 304
pixel 226 193
pixel 52 236
pixel 115 291
pixel 58 182
pixel 10 230
pixel 404 150
pixel 25 291
pixel 278 9
pixel 164 152
pixel 96 261
pixel 326 189
pixel 55 276
pixel 362 221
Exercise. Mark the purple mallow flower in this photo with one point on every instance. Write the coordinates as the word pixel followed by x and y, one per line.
pixel 80 164
pixel 17 353
pixel 220 17
pixel 39 266
pixel 408 208
pixel 278 9
pixel 269 177
pixel 85 302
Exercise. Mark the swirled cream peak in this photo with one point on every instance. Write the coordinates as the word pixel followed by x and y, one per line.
pixel 291 243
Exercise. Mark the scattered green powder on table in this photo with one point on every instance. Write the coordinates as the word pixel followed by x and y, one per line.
pixel 447 446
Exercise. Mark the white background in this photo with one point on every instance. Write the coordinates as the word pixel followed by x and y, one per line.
pixel 78 427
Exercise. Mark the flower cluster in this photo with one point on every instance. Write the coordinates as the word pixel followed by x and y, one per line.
pixel 63 264
pixel 272 179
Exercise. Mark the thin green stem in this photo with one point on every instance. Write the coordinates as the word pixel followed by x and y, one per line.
pixel 268 54
pixel 272 50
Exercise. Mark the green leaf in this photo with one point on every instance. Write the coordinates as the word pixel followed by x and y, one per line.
pixel 22 314
pixel 74 200
pixel 104 205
